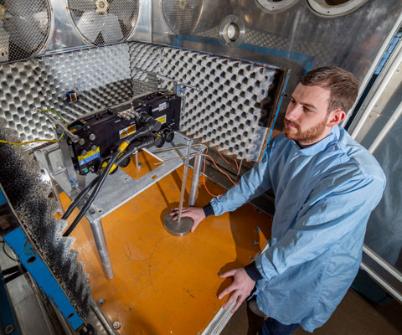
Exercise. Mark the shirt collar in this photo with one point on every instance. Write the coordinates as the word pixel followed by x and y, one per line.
pixel 321 145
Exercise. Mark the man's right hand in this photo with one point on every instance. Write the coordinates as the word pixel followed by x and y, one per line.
pixel 195 213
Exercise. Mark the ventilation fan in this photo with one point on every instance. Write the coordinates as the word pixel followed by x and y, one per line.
pixel 24 28
pixel 104 21
pixel 194 16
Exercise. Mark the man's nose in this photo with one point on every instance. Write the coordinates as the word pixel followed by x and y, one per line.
pixel 293 112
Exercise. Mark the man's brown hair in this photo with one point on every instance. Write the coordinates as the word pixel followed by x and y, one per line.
pixel 342 84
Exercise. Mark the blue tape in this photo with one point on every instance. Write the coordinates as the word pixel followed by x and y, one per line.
pixel 39 271
pixel 2 198
pixel 277 112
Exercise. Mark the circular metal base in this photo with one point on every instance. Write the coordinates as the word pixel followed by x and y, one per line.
pixel 175 228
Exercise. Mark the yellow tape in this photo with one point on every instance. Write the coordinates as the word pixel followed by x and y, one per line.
pixel 123 146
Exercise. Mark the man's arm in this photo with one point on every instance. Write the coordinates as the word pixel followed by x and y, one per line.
pixel 329 214
pixel 321 222
pixel 252 184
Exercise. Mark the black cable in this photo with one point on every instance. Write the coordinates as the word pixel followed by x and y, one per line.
pixel 79 197
pixel 94 193
pixel 153 125
pixel 99 184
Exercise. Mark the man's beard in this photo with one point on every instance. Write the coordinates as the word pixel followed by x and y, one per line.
pixel 310 135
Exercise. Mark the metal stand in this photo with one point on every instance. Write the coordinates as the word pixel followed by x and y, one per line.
pixel 100 241
pixel 181 226
pixel 102 319
pixel 118 189
pixel 198 160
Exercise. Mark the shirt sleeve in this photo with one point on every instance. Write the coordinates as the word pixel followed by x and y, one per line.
pixel 330 213
pixel 252 184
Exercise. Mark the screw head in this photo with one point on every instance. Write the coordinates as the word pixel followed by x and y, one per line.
pixel 116 325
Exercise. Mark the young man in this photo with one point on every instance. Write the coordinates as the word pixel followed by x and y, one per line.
pixel 325 187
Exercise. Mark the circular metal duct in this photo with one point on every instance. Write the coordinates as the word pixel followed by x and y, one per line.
pixel 274 6
pixel 333 8
pixel 104 21
pixel 24 28
pixel 193 16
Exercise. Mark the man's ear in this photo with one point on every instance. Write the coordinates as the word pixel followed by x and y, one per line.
pixel 336 117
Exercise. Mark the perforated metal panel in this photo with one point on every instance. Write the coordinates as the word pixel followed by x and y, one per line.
pixel 144 65
pixel 100 76
pixel 104 21
pixel 24 28
pixel 224 109
pixel 182 16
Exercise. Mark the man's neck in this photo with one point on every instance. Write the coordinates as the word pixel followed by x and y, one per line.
pixel 305 144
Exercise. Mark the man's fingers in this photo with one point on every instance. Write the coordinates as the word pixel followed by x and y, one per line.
pixel 239 301
pixel 228 274
pixel 175 213
pixel 231 302
pixel 193 227
pixel 226 291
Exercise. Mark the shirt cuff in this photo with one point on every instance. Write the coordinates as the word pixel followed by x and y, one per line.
pixel 208 210
pixel 253 272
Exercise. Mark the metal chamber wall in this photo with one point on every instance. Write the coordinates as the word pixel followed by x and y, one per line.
pixel 234 74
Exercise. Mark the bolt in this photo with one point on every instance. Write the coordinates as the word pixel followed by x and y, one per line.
pixel 116 325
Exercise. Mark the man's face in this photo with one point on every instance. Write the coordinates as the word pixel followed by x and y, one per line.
pixel 307 119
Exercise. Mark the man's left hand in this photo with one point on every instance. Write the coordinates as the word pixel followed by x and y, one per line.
pixel 240 288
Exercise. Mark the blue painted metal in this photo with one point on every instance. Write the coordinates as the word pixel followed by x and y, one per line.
pixel 39 271
pixel 2 198
pixel 387 54
pixel 8 320
pixel 306 61
pixel 278 109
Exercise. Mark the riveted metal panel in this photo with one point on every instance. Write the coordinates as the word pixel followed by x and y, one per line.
pixel 295 37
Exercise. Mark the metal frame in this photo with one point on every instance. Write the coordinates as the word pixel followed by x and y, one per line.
pixel 376 92
pixel 321 8
pixel 373 66
pixel 8 319
pixel 119 188
pixel 33 263
pixel 366 117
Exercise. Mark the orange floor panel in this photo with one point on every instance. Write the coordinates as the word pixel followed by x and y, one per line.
pixel 165 284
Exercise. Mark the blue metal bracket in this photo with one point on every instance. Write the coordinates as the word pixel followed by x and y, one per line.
pixel 44 278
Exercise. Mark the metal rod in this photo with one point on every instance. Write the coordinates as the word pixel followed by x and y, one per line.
pixel 240 166
pixel 99 236
pixel 68 164
pixel 384 264
pixel 102 319
pixel 377 95
pixel 374 65
pixel 382 282
pixel 137 163
pixel 196 177
pixel 384 131
pixel 184 179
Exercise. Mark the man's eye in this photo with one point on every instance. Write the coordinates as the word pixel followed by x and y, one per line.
pixel 307 110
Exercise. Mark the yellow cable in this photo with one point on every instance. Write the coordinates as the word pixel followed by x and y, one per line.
pixel 29 142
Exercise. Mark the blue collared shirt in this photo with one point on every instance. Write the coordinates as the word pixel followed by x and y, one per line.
pixel 324 195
